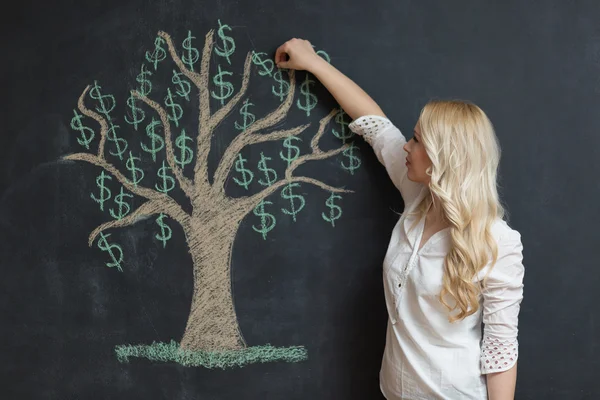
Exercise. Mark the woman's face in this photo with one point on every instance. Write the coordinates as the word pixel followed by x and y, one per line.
pixel 417 158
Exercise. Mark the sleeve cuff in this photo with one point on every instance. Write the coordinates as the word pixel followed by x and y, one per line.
pixel 369 126
pixel 498 355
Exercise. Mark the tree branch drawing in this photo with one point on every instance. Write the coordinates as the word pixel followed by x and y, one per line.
pixel 211 225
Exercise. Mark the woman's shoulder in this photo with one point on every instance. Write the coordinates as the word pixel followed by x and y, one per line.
pixel 508 265
pixel 504 233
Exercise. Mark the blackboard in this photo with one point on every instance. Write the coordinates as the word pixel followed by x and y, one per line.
pixel 92 309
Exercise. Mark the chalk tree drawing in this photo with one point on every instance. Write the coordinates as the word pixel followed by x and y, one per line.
pixel 211 226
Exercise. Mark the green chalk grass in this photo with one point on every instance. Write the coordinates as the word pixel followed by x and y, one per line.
pixel 171 352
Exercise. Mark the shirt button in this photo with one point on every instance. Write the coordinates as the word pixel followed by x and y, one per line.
pixel 400 284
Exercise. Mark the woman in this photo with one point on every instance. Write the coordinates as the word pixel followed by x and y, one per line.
pixel 453 264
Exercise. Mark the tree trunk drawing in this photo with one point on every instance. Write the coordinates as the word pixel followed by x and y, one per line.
pixel 212 323
pixel 210 228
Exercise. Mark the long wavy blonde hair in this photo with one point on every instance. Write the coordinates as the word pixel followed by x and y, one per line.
pixel 465 153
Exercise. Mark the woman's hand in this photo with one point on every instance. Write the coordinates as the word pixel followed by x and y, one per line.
pixel 301 55
pixel 348 94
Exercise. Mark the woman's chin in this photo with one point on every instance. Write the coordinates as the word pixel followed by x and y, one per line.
pixel 411 178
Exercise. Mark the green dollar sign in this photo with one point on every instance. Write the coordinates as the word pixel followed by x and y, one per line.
pixel 187 154
pixel 145 84
pixel 176 110
pixel 157 143
pixel 136 173
pixel 123 206
pixel 267 220
pixel 228 43
pixel 135 114
pixel 293 151
pixel 184 86
pixel 247 175
pixel 345 133
pixel 226 87
pixel 107 101
pixel 249 118
pixel 191 56
pixel 165 231
pixel 119 143
pixel 323 54
pixel 288 194
pixel 335 211
pixel 266 64
pixel 107 104
pixel 111 249
pixel 270 173
pixel 104 191
pixel 158 54
pixel 311 99
pixel 284 87
pixel 168 182
pixel 77 125
pixel 353 161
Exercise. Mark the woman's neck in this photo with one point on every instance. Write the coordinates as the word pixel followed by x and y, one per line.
pixel 435 214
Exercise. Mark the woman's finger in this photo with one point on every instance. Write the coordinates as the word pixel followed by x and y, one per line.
pixel 281 56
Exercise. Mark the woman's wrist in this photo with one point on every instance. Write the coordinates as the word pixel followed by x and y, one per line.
pixel 318 66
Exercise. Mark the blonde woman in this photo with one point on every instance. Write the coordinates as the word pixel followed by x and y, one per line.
pixel 453 265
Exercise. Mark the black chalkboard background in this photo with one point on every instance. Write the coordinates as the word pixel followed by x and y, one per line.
pixel 533 67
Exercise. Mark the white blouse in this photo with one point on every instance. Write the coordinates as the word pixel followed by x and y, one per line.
pixel 427 357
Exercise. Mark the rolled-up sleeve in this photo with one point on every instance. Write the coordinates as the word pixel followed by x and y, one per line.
pixel 388 143
pixel 502 298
